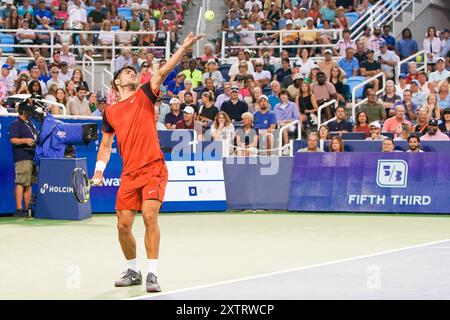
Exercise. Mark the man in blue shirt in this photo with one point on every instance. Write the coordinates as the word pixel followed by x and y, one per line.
pixel 234 21
pixel 349 63
pixel 265 122
pixel 175 86
pixel 406 47
pixel 390 40
pixel 41 11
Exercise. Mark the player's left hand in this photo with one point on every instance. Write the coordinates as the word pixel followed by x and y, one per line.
pixel 191 39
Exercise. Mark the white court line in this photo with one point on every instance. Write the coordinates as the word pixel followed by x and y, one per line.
pixel 154 295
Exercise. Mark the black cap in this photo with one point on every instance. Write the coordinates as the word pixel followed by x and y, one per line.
pixel 101 100
pixel 433 122
pixel 447 111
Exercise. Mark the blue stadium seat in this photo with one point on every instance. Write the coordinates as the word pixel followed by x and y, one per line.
pixel 22 66
pixel 125 13
pixel 224 69
pixel 267 91
pixel 166 99
pixel 199 89
pixel 353 82
pixel 115 28
pixel 7 39
pixel 353 17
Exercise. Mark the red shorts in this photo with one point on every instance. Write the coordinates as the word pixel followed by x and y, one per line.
pixel 147 183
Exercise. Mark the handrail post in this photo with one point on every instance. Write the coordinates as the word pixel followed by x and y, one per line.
pixel 113 54
pixel 52 42
pixel 280 135
pixel 223 47
pixel 168 45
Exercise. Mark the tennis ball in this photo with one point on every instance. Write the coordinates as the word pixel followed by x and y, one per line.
pixel 209 15
pixel 419 58
pixel 156 13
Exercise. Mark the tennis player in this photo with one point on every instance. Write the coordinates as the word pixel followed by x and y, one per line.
pixel 144 175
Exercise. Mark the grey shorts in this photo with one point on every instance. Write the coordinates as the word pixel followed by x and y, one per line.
pixel 26 173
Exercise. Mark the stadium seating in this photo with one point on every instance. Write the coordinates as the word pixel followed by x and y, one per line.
pixel 353 17
pixel 125 13
pixel 353 82
pixel 7 39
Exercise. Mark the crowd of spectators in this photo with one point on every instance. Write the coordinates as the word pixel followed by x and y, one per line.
pixel 264 90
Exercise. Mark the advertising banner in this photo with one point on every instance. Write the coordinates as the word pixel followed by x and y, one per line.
pixel 371 182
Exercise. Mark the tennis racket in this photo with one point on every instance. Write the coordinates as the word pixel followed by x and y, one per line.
pixel 81 185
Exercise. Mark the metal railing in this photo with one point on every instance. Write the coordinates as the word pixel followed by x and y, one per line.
pixel 280 135
pixel 412 58
pixel 319 112
pixel 113 47
pixel 337 34
pixel 200 28
pixel 85 70
pixel 361 85
pixel 106 85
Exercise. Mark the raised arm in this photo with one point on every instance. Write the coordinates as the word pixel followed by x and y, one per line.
pixel 159 76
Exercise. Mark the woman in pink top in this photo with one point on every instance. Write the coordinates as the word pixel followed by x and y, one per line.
pixel 145 74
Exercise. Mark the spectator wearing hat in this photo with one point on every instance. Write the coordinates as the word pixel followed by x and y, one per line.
pixel 101 106
pixel 294 88
pixel 289 79
pixel 309 35
pixel 328 63
pixel 289 36
pixel 287 15
pixel 135 60
pixel 65 74
pixel 402 85
pixel 340 49
pixel 188 121
pixel 212 73
pixel 434 133
pixel 418 98
pixel 441 73
pixel 175 86
pixel 370 68
pixel 174 115
pixel 391 124
pixel 349 63
pixel 226 95
pixel 79 106
pixel 7 83
pixel 262 77
pixel 300 21
pixel 375 132
pixel 388 60
pixel 234 107
pixel 265 123
pixel 445 125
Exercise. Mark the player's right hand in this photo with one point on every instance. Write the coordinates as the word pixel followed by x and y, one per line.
pixel 97 179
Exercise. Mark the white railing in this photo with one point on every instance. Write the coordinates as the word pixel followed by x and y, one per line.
pixel 106 85
pixel 365 20
pixel 113 47
pixel 86 70
pixel 412 58
pixel 283 129
pixel 361 85
pixel 337 34
pixel 200 28
pixel 323 106
pixel 50 102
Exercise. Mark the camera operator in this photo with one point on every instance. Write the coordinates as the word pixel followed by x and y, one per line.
pixel 23 136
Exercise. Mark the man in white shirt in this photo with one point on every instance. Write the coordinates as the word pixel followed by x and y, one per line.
pixel 65 74
pixel 440 74
pixel 77 16
pixel 250 3
pixel 262 77
pixel 388 60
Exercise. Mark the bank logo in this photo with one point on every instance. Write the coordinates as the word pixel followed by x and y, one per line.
pixel 392 174
pixel 190 170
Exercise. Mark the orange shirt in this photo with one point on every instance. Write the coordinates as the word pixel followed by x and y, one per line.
pixel 133 122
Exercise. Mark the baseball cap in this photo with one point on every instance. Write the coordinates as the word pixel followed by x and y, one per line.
pixel 416 82
pixel 263 96
pixel 296 76
pixel 288 21
pixel 303 9
pixel 211 61
pixel 287 11
pixel 402 75
pixel 188 110
pixel 315 67
pixel 165 21
pixel 298 63
pixel 433 122
pixel 6 66
pixel 329 51
pixel 63 63
pixel 235 88
pixel 440 59
pixel 447 111
pixel 101 100
pixel 309 19
pixel 375 124
pixel 174 100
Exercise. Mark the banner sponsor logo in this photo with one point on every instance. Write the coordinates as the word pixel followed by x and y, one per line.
pixel 392 174
pixel 46 188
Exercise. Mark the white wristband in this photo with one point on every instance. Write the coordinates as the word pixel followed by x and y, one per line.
pixel 100 166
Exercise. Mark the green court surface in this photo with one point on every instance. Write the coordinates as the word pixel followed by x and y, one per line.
pixel 46 259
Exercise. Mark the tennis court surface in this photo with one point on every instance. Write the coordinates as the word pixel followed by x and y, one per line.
pixel 274 255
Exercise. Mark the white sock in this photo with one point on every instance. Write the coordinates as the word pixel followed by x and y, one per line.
pixel 153 266
pixel 132 264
